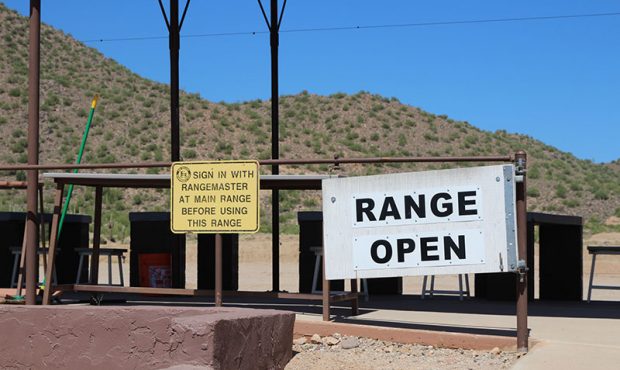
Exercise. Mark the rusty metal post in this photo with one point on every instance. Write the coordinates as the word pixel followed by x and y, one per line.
pixel 218 270
pixel 326 305
pixel 33 149
pixel 522 330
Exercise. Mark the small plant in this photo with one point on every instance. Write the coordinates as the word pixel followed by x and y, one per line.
pixel 402 140
pixel 533 192
pixel 560 191
pixel 601 194
pixel 571 203
pixel 189 154
pixel 533 172
pixel 430 137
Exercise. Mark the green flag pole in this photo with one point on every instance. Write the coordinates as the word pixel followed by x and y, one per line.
pixel 93 105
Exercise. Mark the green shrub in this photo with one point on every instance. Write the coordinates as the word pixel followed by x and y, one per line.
pixel 574 186
pixel 430 137
pixel 601 194
pixel 560 191
pixel 571 203
pixel 533 192
pixel 402 140
pixel 189 154
pixel 533 172
pixel 20 176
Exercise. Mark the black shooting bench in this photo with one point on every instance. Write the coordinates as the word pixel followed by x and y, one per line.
pixel 560 262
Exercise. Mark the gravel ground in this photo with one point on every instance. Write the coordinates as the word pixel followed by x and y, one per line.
pixel 336 352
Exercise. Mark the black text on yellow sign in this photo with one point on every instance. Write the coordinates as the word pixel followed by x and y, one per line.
pixel 215 197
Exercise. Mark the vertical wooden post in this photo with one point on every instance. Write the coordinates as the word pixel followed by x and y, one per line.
pixel 218 270
pixel 51 253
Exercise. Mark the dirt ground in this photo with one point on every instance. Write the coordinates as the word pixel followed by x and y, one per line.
pixel 370 354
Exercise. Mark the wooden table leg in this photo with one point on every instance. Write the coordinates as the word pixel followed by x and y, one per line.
pixel 355 302
pixel 94 268
pixel 51 254
pixel 218 270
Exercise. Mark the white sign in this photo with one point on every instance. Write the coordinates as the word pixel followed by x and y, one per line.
pixel 424 223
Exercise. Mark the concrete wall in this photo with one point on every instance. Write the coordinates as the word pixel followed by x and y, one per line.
pixel 73 337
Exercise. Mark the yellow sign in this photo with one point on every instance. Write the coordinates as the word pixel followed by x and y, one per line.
pixel 214 197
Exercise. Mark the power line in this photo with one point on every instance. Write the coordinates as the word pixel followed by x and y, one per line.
pixel 368 27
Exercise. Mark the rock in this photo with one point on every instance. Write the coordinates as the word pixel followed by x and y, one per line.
pixel 496 351
pixel 316 339
pixel 301 340
pixel 330 341
pixel 337 336
pixel 349 343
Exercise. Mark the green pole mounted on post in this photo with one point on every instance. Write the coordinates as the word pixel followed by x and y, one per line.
pixel 65 208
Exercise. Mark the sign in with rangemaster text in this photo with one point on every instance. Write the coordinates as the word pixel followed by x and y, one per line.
pixel 215 197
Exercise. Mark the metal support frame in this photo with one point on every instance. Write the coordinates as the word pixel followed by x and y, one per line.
pixel 273 24
pixel 595 251
pixel 432 291
pixel 522 330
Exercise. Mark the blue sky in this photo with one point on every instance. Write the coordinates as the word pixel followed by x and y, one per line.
pixel 556 80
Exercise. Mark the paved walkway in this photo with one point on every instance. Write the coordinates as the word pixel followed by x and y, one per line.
pixel 568 335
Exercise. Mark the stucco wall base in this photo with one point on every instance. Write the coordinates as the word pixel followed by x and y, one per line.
pixel 88 337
